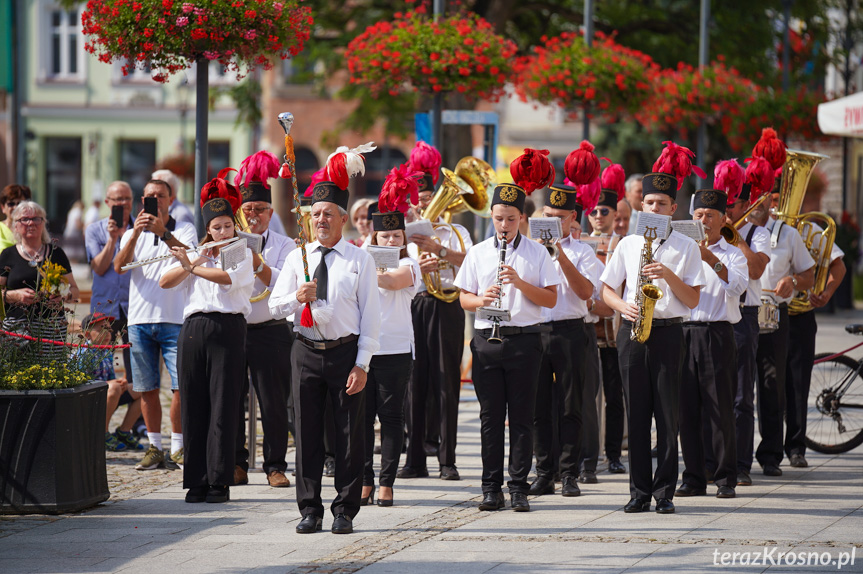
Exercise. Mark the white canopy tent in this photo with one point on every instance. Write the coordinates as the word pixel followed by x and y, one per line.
pixel 842 117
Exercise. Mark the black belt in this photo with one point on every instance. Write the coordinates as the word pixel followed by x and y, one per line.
pixel 270 323
pixel 566 324
pixel 204 313
pixel 325 345
pixel 516 330
pixel 704 323
pixel 659 322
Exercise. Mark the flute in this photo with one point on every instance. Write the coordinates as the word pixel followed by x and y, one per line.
pixel 191 250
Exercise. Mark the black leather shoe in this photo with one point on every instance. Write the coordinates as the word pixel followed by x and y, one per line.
pixel 798 461
pixel 587 477
pixel 615 466
pixel 725 492
pixel 196 494
pixel 343 524
pixel 310 524
pixel 541 486
pixel 689 490
pixel 636 505
pixel 743 478
pixel 449 473
pixel 772 470
pixel 330 467
pixel 518 502
pixel 491 501
pixel 218 493
pixel 664 506
pixel 412 472
pixel 431 449
pixel 570 486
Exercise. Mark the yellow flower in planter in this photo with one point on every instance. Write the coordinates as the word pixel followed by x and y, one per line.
pixel 53 280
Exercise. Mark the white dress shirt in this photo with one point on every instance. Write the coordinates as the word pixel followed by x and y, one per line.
pixel 788 255
pixel 569 305
pixel 204 296
pixel 276 249
pixel 352 295
pixel 678 253
pixel 720 300
pixel 449 240
pixel 532 263
pixel 149 303
pixel 397 328
pixel 760 244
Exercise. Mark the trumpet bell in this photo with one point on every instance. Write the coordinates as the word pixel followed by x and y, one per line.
pixel 730 233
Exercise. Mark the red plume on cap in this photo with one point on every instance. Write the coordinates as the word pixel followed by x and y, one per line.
pixel 221 187
pixel 259 166
pixel 317 177
pixel 582 165
pixel 728 177
pixel 759 174
pixel 676 160
pixel 427 159
pixel 586 195
pixel 614 178
pixel 532 170
pixel 402 183
pixel 771 148
pixel 345 163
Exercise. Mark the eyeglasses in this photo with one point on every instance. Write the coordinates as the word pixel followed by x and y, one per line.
pixel 120 199
pixel 29 220
pixel 255 210
pixel 600 211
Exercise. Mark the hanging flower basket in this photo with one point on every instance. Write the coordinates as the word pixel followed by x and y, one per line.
pixel 460 53
pixel 170 35
pixel 684 97
pixel 565 72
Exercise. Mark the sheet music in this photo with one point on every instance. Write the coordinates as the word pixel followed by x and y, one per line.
pixel 385 257
pixel 254 241
pixel 545 228
pixel 233 254
pixel 490 313
pixel 691 228
pixel 593 243
pixel 661 224
pixel 421 227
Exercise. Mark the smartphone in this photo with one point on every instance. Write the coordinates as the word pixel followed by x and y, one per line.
pixel 117 215
pixel 151 206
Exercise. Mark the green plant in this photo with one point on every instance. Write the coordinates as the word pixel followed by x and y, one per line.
pixel 43 377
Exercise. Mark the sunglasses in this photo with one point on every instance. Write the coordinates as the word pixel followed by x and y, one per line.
pixel 600 211
pixel 29 220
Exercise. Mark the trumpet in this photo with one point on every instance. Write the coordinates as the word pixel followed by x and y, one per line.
pixel 190 251
pixel 494 338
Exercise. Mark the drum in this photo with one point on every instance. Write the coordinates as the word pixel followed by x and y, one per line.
pixel 768 314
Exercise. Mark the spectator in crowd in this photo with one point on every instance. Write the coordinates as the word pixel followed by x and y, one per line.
pixel 10 197
pixel 633 197
pixel 91 216
pixel 622 218
pixel 73 232
pixel 361 220
pixel 178 210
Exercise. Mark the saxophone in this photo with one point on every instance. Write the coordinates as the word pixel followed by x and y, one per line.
pixel 646 294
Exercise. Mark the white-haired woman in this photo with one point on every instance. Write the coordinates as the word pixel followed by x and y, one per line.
pixel 28 309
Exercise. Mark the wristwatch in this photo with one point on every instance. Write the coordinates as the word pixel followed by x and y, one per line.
pixel 259 268
pixel 794 281
pixel 443 252
pixel 365 368
pixel 717 266
pixel 166 236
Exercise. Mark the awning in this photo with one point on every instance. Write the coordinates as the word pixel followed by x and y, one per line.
pixel 842 117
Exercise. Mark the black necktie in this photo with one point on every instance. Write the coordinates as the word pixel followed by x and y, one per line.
pixel 322 274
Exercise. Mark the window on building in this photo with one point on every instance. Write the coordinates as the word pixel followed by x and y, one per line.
pixel 62 179
pixel 65 44
pixel 137 163
pixel 219 157
pixel 378 164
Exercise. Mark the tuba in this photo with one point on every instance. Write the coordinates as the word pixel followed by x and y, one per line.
pixel 646 293
pixel 795 178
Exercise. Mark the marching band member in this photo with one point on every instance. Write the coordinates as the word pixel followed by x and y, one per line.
pixel 268 340
pixel 651 370
pixel 390 367
pixel 708 383
pixel 330 357
pixel 211 348
pixel 520 276
pixel 562 371
pixel 436 377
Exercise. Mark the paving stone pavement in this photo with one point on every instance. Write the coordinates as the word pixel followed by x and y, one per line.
pixel 813 513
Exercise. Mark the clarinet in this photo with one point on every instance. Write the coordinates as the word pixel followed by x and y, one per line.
pixel 494 338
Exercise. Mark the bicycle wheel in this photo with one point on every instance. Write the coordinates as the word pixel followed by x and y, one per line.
pixel 834 422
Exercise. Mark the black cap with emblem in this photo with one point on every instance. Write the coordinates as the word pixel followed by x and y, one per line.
pixel 214 208
pixel 256 191
pixel 608 198
pixel 509 194
pixel 658 183
pixel 710 199
pixel 330 192
pixel 427 183
pixel 562 196
pixel 388 221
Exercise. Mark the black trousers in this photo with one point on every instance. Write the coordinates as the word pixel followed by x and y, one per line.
pixel 771 362
pixel 707 391
pixel 612 385
pixel 320 377
pixel 746 337
pixel 268 356
pixel 439 334
pixel 589 411
pixel 504 377
pixel 801 358
pixel 562 366
pixel 385 397
pixel 651 387
pixel 211 365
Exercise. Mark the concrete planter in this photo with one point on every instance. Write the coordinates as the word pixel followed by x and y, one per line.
pixel 52 450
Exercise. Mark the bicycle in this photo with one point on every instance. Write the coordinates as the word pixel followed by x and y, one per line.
pixel 835 413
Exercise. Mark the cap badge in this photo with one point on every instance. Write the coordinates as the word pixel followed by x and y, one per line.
pixel 508 194
pixel 708 198
pixel 557 198
pixel 390 222
pixel 661 182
